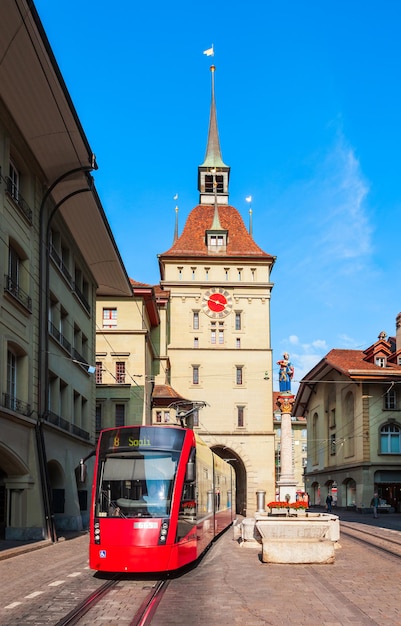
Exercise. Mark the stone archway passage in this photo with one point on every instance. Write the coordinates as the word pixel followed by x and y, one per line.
pixel 240 475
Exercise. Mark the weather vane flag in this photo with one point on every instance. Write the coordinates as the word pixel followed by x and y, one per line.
pixel 209 52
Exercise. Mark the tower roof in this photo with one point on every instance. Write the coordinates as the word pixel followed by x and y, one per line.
pixel 192 240
pixel 213 157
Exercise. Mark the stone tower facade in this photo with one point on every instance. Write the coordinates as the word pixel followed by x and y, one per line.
pixel 219 347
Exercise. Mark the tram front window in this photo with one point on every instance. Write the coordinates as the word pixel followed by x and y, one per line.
pixel 136 485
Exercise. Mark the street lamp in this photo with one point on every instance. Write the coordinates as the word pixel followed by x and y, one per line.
pixel 43 335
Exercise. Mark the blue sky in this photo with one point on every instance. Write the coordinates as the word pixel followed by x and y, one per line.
pixel 309 106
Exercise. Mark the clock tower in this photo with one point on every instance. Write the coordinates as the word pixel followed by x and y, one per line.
pixel 219 348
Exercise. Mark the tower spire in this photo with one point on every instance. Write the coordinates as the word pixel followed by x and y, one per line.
pixel 213 161
pixel 213 157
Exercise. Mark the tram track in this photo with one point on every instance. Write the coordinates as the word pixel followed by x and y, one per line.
pixel 85 611
pixel 88 603
pixel 143 617
pixel 390 545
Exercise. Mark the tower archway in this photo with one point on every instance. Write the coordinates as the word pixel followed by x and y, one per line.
pixel 236 462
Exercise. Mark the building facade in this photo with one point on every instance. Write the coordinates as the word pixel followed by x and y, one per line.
pixel 56 255
pixel 127 349
pixel 353 407
pixel 219 347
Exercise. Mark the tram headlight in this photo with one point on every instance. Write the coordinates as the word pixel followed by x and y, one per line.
pixel 163 532
pixel 96 532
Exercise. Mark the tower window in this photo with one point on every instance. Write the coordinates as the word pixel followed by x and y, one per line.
pixel 210 186
pixel 240 416
pixel 238 374
pixel 213 333
pixel 195 320
pixel 238 321
pixel 195 374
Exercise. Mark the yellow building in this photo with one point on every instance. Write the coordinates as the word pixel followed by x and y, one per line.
pixel 219 334
pixel 56 255
pixel 127 348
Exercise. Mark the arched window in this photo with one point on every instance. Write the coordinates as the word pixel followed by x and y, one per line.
pixel 390 437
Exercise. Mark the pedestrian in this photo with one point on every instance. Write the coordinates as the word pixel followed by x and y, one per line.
pixel 375 503
pixel 329 502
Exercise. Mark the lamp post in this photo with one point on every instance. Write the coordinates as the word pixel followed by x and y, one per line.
pixel 43 335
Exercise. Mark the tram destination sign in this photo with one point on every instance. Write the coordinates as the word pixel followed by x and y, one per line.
pixel 133 438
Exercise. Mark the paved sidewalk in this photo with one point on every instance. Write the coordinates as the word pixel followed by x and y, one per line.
pixel 232 586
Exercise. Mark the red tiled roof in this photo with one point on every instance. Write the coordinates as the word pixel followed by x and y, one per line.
pixel 349 361
pixel 135 283
pixel 192 240
pixel 166 391
pixel 160 292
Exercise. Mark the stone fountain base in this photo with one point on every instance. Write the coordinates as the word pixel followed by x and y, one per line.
pixel 303 539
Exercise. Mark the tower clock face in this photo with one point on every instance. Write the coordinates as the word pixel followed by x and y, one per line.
pixel 217 302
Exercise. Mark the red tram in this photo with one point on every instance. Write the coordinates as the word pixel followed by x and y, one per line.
pixel 160 496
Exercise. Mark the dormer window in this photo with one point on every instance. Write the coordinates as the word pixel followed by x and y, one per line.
pixel 216 242
pixel 380 361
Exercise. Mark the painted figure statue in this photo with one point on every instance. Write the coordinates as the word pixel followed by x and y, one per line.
pixel 286 372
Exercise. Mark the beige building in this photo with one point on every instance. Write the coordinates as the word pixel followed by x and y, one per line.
pixel 127 349
pixel 219 334
pixel 56 255
pixel 353 407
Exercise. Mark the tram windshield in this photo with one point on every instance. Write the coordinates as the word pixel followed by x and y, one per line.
pixel 136 484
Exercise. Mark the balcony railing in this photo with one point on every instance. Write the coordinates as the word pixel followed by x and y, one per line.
pixel 54 255
pixel 82 298
pixel 58 336
pixel 14 404
pixel 59 421
pixel 15 195
pixel 11 287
